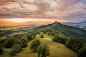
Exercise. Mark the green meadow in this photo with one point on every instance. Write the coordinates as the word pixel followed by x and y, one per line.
pixel 3 37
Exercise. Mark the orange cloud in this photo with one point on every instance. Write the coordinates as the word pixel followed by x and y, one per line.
pixel 8 22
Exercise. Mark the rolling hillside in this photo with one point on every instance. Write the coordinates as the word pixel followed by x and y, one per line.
pixel 56 49
pixel 66 30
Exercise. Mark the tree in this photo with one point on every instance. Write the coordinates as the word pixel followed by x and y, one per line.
pixel 52 33
pixel 9 42
pixel 19 37
pixel 38 32
pixel 24 41
pixel 34 44
pixel 2 40
pixel 82 52
pixel 17 41
pixel 15 49
pixel 34 35
pixel 43 50
pixel 67 43
pixel 29 37
pixel 48 33
pixel 1 50
pixel 44 32
pixel 55 38
pixel 42 36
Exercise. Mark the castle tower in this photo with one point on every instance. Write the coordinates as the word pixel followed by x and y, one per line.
pixel 56 22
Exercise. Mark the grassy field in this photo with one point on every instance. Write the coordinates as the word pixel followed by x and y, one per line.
pixel 4 37
pixel 9 28
pixel 56 49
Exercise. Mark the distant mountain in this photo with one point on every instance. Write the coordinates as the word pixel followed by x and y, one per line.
pixel 67 30
pixel 80 24
pixel 83 22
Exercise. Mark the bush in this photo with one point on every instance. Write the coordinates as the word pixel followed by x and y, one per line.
pixel 24 41
pixel 34 44
pixel 42 36
pixel 43 50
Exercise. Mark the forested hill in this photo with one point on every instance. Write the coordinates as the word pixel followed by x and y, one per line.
pixel 67 30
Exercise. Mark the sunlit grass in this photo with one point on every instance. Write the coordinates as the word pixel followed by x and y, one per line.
pixel 9 28
pixel 3 37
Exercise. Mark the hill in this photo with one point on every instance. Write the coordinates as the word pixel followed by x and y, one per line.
pixel 56 49
pixel 66 30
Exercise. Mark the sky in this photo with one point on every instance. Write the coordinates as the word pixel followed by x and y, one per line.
pixel 40 10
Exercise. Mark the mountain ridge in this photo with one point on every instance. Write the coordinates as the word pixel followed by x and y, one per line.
pixel 66 30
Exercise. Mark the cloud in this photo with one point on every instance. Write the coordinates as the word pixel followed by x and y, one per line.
pixel 69 10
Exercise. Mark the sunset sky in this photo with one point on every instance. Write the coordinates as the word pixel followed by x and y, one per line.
pixel 14 12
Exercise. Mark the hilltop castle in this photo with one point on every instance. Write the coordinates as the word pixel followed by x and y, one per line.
pixel 56 22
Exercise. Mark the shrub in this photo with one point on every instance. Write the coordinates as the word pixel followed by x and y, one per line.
pixel 34 44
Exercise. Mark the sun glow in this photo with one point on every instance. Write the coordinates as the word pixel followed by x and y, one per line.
pixel 28 19
pixel 20 20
